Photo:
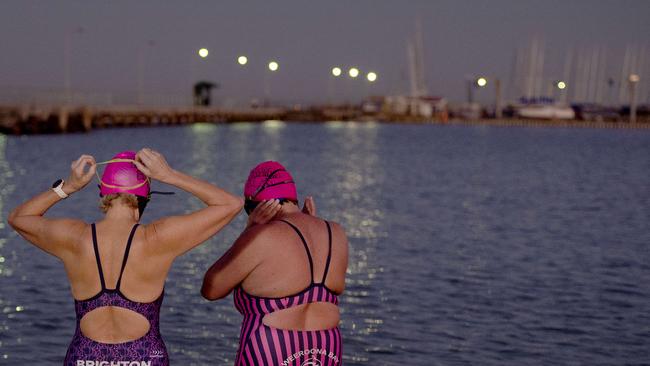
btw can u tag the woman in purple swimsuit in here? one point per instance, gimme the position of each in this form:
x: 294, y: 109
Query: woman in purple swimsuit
x: 287, y: 270
x: 116, y: 267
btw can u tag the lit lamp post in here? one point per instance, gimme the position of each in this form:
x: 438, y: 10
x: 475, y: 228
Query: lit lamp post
x: 203, y: 54
x: 336, y: 73
x: 472, y: 83
x: 353, y: 72
x: 633, y: 80
x: 141, y: 70
x: 273, y: 66
x: 242, y: 60
x: 561, y: 86
x: 67, y: 84
x: 371, y: 77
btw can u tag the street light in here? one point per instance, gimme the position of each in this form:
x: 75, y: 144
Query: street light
x: 353, y: 72
x: 561, y: 85
x: 633, y: 79
x: 141, y: 69
x: 481, y: 82
x: 242, y: 60
x: 67, y: 62
x: 336, y: 71
x: 203, y: 52
x: 371, y: 76
x: 273, y: 66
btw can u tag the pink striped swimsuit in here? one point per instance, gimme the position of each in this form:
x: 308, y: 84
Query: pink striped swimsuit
x: 260, y: 344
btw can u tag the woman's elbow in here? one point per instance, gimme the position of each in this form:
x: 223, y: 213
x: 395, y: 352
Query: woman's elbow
x: 12, y: 219
x: 209, y: 292
x: 237, y: 204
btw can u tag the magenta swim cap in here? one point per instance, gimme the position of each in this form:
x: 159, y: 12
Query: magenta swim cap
x: 122, y: 176
x: 270, y: 180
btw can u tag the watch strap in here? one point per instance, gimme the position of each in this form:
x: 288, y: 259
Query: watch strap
x: 59, y: 190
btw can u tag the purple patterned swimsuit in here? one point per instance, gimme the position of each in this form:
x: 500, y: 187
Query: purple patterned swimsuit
x: 149, y: 350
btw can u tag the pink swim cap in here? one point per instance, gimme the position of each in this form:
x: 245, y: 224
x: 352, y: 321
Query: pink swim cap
x: 124, y: 177
x: 270, y: 180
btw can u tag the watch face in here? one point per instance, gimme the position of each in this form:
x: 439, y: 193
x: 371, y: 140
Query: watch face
x: 56, y: 184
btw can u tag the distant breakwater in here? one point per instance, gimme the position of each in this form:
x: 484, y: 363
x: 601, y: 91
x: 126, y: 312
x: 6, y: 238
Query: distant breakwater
x: 51, y: 120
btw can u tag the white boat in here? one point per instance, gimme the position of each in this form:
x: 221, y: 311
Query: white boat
x: 541, y: 111
x: 543, y: 108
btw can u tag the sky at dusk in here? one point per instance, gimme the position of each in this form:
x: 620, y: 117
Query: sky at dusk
x: 159, y: 40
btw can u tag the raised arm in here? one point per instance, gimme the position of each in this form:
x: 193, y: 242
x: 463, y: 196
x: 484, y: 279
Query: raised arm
x: 235, y: 265
x: 176, y: 235
x: 55, y: 236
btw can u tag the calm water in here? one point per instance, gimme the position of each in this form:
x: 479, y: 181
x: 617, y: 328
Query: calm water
x: 469, y: 245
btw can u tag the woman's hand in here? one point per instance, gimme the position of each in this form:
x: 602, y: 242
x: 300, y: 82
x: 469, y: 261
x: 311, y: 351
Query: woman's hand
x: 264, y: 212
x: 153, y: 165
x: 309, y: 206
x: 79, y: 176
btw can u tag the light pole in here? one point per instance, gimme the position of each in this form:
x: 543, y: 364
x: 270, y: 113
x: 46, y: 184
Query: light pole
x: 331, y: 89
x: 498, y: 112
x: 371, y: 77
x: 67, y: 60
x: 141, y: 66
x: 633, y: 80
x: 203, y: 54
x: 561, y: 85
x: 273, y: 67
x: 473, y: 82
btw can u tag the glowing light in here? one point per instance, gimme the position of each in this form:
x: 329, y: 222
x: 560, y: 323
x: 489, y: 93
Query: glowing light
x: 353, y: 72
x: 336, y: 71
x: 634, y: 78
x: 203, y: 52
x: 561, y: 85
x: 481, y: 82
x: 273, y: 66
x: 371, y: 76
x: 242, y: 60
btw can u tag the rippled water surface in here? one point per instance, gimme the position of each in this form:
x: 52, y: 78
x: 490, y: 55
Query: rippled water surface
x: 469, y: 245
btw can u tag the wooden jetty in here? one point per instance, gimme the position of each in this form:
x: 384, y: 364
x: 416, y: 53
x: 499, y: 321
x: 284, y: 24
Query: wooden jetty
x: 61, y: 119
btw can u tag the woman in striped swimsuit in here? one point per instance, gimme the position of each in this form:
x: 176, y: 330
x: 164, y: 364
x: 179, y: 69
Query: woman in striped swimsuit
x: 287, y: 270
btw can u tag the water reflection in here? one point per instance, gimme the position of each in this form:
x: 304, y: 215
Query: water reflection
x: 355, y: 180
x: 7, y: 301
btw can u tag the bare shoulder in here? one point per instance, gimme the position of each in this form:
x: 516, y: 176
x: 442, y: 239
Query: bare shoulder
x: 70, y: 232
x: 264, y: 235
x: 73, y: 228
x: 338, y: 232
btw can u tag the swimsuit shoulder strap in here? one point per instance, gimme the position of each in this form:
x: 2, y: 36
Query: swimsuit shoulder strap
x: 329, y: 251
x: 126, y: 255
x: 99, y: 262
x: 304, y: 243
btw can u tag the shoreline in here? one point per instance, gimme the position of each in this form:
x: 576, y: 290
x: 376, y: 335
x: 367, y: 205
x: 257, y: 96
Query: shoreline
x: 21, y: 120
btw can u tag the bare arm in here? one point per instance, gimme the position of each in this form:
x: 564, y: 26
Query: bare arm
x: 55, y: 236
x: 234, y: 266
x: 176, y: 235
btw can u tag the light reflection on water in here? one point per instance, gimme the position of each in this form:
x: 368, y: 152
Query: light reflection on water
x: 468, y: 245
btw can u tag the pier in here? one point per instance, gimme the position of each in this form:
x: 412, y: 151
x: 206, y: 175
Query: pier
x: 26, y: 120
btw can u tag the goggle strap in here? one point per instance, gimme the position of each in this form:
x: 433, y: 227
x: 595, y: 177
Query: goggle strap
x: 102, y: 183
